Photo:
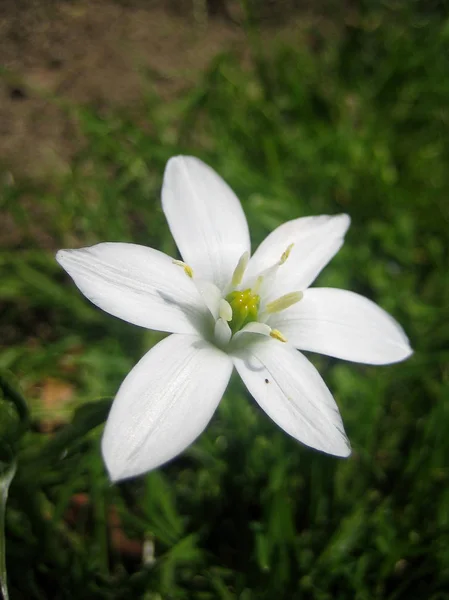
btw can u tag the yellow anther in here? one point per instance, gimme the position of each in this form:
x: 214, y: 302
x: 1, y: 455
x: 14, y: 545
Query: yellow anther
x: 277, y: 335
x: 240, y: 269
x: 283, y: 302
x: 188, y: 270
x: 286, y: 254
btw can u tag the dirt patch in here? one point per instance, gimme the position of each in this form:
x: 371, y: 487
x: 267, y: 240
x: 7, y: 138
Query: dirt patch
x: 96, y: 51
x: 90, y: 52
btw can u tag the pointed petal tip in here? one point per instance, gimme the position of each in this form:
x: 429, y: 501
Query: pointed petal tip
x: 65, y: 256
x: 405, y: 351
x: 179, y: 159
x: 113, y: 472
x: 346, y: 452
x: 118, y: 475
x: 339, y: 449
x: 60, y: 254
x: 114, y: 476
x: 347, y: 218
x: 179, y: 165
x: 117, y: 470
x: 345, y: 221
x: 402, y: 348
x: 173, y: 160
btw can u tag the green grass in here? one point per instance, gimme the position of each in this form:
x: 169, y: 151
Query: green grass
x: 246, y: 512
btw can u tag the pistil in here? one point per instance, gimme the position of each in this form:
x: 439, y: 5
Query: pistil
x: 245, y: 308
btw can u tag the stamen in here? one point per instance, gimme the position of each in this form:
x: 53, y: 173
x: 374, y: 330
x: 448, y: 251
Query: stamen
x: 286, y: 254
x: 240, y: 269
x: 277, y: 335
x: 266, y: 279
x: 188, y: 270
x: 225, y: 310
x: 256, y: 287
x: 283, y: 302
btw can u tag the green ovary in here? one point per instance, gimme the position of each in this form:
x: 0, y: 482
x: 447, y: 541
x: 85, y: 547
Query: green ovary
x: 245, y: 308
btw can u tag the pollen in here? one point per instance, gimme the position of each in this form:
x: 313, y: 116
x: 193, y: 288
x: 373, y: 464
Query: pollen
x: 187, y: 269
x: 277, y: 335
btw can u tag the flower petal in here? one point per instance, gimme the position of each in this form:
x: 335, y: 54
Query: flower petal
x: 344, y: 325
x: 210, y: 294
x: 290, y: 390
x: 253, y: 328
x: 205, y: 218
x: 315, y: 241
x: 222, y: 332
x: 138, y: 284
x: 164, y: 403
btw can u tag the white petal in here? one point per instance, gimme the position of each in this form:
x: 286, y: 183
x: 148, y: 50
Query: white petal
x: 344, y: 325
x: 222, y: 332
x: 205, y: 218
x: 164, y: 403
x: 138, y: 284
x: 225, y: 310
x: 210, y: 294
x: 252, y: 328
x: 315, y: 241
x: 290, y: 390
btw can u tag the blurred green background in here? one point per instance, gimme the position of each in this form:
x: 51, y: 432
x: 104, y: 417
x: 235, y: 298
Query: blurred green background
x: 341, y: 107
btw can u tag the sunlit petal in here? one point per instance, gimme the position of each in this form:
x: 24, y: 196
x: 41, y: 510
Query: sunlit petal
x: 290, y: 390
x: 137, y: 284
x: 313, y: 241
x: 205, y: 218
x: 164, y: 403
x: 344, y: 325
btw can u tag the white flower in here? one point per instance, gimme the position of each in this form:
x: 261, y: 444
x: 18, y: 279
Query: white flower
x: 224, y: 310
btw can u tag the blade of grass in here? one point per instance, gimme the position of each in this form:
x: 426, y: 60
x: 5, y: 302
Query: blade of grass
x: 5, y: 481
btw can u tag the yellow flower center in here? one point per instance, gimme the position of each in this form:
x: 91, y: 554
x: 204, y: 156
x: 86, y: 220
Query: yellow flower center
x: 245, y: 308
x: 240, y: 307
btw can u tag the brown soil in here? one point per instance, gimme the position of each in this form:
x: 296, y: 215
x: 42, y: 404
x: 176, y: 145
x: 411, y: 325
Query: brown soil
x: 93, y: 51
x: 88, y: 52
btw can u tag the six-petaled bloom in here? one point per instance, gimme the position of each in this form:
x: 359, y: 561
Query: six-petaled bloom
x: 226, y: 309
